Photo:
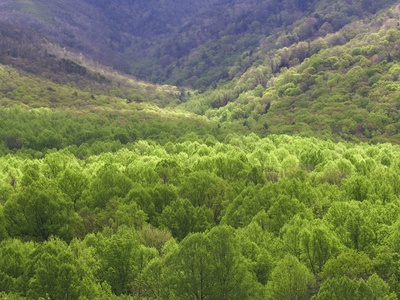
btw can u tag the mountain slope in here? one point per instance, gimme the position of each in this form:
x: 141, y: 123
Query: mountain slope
x: 313, y: 81
x: 345, y: 84
x: 192, y: 44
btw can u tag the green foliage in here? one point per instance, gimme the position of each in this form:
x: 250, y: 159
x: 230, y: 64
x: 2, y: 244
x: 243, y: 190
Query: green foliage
x: 14, y: 259
x: 38, y: 212
x: 345, y: 288
x: 345, y: 90
x: 111, y: 189
x: 306, y: 209
x: 212, y: 268
x: 290, y: 280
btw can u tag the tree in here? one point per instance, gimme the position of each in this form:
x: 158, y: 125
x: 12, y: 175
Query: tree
x: 168, y: 170
x: 292, y: 235
x: 162, y: 195
x: 357, y: 289
x: 353, y: 224
x: 181, y: 218
x: 154, y: 280
x: 350, y: 263
x: 206, y: 189
x: 247, y: 204
x: 358, y: 188
x: 190, y: 269
x: 282, y: 210
x: 109, y: 182
x: 121, y: 258
x: 57, y: 162
x: 57, y: 272
x: 318, y: 245
x: 72, y: 183
x: 38, y: 212
x: 230, y: 166
x: 154, y: 237
x: 380, y: 289
x: 343, y: 288
x: 14, y: 257
x: 232, y: 279
x: 211, y: 266
x: 3, y: 225
x: 143, y: 199
x: 290, y: 280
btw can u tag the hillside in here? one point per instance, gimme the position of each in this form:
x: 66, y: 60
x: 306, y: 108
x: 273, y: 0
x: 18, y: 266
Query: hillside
x: 342, y: 85
x: 182, y: 43
x: 222, y: 149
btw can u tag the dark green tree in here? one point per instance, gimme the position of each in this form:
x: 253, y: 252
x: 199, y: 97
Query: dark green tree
x: 290, y: 280
x: 40, y: 211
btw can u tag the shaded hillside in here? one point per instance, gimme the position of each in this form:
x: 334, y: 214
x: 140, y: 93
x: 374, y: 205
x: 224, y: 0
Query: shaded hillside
x: 41, y: 60
x: 184, y: 43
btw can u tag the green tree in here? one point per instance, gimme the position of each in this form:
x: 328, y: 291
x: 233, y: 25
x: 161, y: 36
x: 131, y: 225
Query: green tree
x: 143, y: 199
x: 282, y: 210
x: 350, y: 263
x: 343, y: 288
x: 232, y: 279
x: 210, y: 266
x: 353, y: 224
x: 207, y: 189
x: 349, y: 289
x: 181, y: 218
x: 109, y: 182
x: 57, y: 272
x: 162, y: 195
x: 37, y: 212
x: 290, y: 280
x: 168, y: 170
x: 153, y: 280
x: 72, y: 183
x: 231, y: 166
x: 190, y: 269
x: 120, y: 258
x: 3, y: 225
x: 380, y: 289
x: 14, y: 257
x: 247, y: 204
x: 291, y: 235
x: 318, y: 244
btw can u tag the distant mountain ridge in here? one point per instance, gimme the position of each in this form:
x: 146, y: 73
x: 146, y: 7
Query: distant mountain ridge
x: 181, y: 43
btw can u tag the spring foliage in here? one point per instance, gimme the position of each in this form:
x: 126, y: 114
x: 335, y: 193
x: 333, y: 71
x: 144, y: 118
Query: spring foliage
x: 281, y: 181
x: 245, y: 218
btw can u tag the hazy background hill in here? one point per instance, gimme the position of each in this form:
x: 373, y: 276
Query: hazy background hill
x: 192, y: 43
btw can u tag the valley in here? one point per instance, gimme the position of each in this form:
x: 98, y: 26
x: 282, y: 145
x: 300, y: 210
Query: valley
x: 225, y: 149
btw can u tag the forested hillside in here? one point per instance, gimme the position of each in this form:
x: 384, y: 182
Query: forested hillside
x: 185, y: 43
x: 343, y: 85
x: 262, y: 162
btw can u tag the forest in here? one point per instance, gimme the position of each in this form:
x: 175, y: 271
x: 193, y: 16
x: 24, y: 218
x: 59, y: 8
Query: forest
x: 260, y: 163
x: 281, y: 217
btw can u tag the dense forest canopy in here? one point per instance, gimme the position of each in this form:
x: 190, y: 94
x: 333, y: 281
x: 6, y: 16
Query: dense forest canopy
x: 221, y: 149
